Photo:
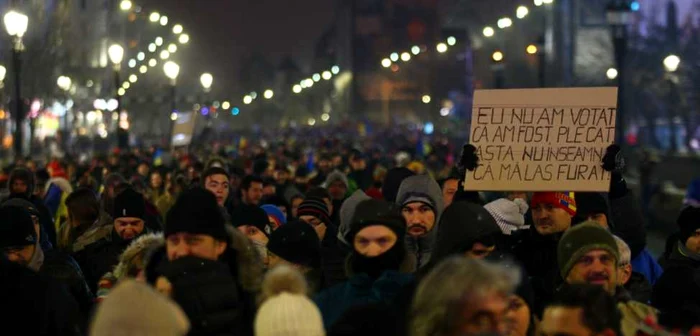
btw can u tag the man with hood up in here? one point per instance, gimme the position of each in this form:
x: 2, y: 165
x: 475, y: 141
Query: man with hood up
x: 420, y: 199
x: 375, y: 265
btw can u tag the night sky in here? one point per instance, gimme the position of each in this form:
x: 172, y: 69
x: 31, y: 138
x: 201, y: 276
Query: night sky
x: 222, y: 31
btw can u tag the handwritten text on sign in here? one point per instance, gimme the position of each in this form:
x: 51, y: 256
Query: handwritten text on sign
x: 542, y: 139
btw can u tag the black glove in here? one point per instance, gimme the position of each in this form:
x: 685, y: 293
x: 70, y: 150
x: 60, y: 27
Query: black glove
x: 613, y: 161
x: 468, y: 160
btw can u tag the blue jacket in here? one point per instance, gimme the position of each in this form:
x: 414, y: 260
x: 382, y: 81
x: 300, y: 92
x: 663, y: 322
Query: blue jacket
x: 645, y: 264
x: 359, y: 290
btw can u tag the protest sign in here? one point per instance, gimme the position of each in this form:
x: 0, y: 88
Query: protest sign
x: 542, y: 139
x: 183, y: 129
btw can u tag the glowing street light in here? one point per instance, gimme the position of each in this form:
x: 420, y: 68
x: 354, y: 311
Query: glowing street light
x: 133, y: 78
x: 183, y: 39
x: 152, y: 47
x: 268, y: 94
x: 159, y: 41
x: 171, y: 70
x: 132, y: 63
x: 164, y: 54
x: 116, y: 53
x: 311, y: 121
x: 521, y: 12
x: 386, y: 62
x: 497, y: 56
x: 173, y: 116
x: 247, y: 99
x: 225, y: 105
x: 172, y: 48
x: 325, y: 116
x: 163, y: 20
x: 611, y: 73
x: 415, y: 50
x: 206, y: 79
x: 143, y: 69
x: 405, y: 56
x: 140, y: 56
x: 441, y: 47
x: 316, y: 77
x: 671, y: 63
x: 152, y: 62
x: 177, y: 29
x: 426, y: 99
x: 326, y: 75
x: 451, y: 40
x: 309, y: 82
x: 125, y: 5
x: 538, y: 2
x: 504, y: 22
x: 63, y: 82
x: 394, y: 57
x: 335, y: 69
x: 154, y: 17
x: 531, y: 49
x: 3, y: 72
x: 547, y: 2
x: 488, y: 31
x: 296, y: 88
x: 121, y: 92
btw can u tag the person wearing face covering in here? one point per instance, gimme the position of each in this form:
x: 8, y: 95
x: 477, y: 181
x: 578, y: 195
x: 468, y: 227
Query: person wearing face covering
x: 375, y: 265
x: 19, y: 242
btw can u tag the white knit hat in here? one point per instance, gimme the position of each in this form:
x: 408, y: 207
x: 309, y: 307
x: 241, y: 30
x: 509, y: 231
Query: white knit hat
x: 287, y: 311
x: 134, y: 308
x: 509, y: 215
x: 289, y: 315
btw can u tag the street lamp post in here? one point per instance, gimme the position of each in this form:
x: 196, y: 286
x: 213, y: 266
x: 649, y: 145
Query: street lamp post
x: 116, y: 55
x: 64, y: 83
x: 16, y: 25
x: 671, y: 63
x: 172, y: 70
x: 619, y: 14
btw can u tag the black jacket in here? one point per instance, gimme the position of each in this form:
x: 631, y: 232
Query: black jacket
x: 210, y: 295
x: 65, y: 269
x: 538, y: 256
x: 332, y: 259
x: 100, y: 257
x: 33, y: 304
x: 639, y: 288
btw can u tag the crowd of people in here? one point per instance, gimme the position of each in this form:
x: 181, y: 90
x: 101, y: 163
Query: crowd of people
x: 327, y: 238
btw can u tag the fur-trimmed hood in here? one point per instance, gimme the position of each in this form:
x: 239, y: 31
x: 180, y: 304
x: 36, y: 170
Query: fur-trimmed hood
x: 247, y: 263
x: 134, y: 253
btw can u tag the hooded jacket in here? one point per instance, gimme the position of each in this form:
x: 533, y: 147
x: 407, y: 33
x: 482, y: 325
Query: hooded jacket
x: 422, y: 187
x: 460, y: 226
x: 218, y: 296
x: 347, y: 210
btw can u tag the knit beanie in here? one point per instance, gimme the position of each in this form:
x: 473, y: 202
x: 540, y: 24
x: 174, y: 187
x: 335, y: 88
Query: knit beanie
x: 591, y: 203
x: 196, y: 212
x: 298, y: 243
x: 16, y: 227
x: 376, y: 212
x: 274, y: 211
x: 129, y: 203
x: 134, y: 308
x: 246, y: 214
x: 336, y: 175
x: 581, y: 239
x: 287, y: 311
x: 315, y: 207
x: 688, y: 222
x: 509, y: 215
x: 392, y: 182
x: 563, y: 200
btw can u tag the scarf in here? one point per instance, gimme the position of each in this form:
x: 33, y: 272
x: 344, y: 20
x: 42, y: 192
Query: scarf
x: 37, y: 258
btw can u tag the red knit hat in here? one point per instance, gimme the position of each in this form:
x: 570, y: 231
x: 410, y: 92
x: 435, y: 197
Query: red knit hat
x: 563, y: 200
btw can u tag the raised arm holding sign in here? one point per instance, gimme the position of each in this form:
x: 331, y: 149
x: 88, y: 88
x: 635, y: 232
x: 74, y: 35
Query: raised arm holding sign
x: 542, y: 139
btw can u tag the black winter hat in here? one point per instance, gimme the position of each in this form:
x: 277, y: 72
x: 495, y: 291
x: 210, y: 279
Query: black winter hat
x: 461, y: 225
x: 129, y: 203
x: 245, y: 214
x: 196, y: 212
x: 392, y: 182
x: 213, y: 171
x: 24, y: 204
x: 298, y: 243
x: 591, y: 203
x: 376, y: 212
x: 688, y: 222
x: 16, y: 227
